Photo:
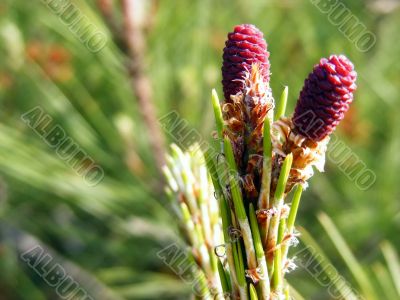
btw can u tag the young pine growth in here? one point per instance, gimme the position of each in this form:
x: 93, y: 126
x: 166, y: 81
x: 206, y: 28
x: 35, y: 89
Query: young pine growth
x: 245, y: 46
x: 261, y: 162
x: 248, y: 101
x: 325, y: 97
x: 322, y: 104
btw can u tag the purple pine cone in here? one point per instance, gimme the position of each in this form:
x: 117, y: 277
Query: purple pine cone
x: 325, y: 97
x: 245, y: 46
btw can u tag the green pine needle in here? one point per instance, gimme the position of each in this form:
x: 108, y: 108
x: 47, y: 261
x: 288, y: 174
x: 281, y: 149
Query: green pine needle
x: 253, y: 292
x: 280, y: 112
x: 217, y: 113
x: 283, y: 177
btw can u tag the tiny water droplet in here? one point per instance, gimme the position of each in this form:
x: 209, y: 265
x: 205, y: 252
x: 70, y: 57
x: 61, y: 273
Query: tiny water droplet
x: 220, y: 250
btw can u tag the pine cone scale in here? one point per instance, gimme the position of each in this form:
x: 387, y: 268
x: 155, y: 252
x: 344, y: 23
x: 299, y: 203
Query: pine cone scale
x: 245, y: 46
x: 327, y: 93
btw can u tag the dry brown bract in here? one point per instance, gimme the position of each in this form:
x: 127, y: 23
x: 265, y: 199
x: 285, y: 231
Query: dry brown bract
x: 306, y: 153
x: 244, y: 116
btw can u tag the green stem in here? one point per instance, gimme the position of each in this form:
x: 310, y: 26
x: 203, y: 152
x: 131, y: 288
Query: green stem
x: 253, y: 293
x: 264, y: 283
x: 239, y: 207
x: 226, y: 218
x: 294, y: 207
x: 277, y: 203
x: 239, y: 267
x: 277, y: 276
x: 291, y: 219
x: 263, y: 200
x: 223, y: 277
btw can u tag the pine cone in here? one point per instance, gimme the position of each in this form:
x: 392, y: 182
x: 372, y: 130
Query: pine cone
x: 325, y: 97
x: 245, y: 46
x: 248, y: 101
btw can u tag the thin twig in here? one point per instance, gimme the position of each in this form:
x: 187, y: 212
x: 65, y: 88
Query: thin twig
x: 136, y: 45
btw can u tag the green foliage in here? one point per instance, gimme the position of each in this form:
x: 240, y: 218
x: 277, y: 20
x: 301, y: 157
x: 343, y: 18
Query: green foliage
x: 111, y: 233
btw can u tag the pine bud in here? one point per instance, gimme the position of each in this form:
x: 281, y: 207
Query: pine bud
x: 245, y: 46
x: 325, y: 97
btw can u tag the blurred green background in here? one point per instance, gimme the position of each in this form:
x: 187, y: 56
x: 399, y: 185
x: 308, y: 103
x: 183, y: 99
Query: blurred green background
x: 106, y: 237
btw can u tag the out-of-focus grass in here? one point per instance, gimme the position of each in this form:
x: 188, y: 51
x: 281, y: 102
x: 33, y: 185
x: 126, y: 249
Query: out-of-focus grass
x: 114, y: 230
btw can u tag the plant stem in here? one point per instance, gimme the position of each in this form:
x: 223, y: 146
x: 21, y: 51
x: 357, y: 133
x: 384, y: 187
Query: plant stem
x: 225, y: 217
x: 277, y: 203
x: 240, y: 271
x: 239, y: 207
x: 253, y: 293
x: 223, y: 277
x: 294, y: 207
x: 291, y: 219
x: 141, y: 86
x: 277, y: 276
x: 262, y: 264
x: 263, y: 200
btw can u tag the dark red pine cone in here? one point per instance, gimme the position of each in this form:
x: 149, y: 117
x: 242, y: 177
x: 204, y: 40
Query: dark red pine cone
x: 245, y: 46
x: 325, y: 97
